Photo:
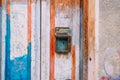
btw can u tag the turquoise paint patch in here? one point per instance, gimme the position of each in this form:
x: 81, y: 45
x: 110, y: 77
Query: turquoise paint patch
x: 29, y: 61
x: 7, y: 48
x: 20, y: 67
x: 61, y: 43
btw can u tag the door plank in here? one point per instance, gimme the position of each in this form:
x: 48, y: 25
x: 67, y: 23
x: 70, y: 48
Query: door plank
x: 45, y: 40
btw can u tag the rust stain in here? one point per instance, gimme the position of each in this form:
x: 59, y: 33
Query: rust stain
x: 32, y: 1
x: 29, y: 21
x: 64, y: 2
x: 91, y: 23
x: 67, y: 3
x: 73, y: 62
x: 88, y: 38
x: 2, y: 2
x: 85, y: 39
x: 52, y: 39
x: 91, y: 36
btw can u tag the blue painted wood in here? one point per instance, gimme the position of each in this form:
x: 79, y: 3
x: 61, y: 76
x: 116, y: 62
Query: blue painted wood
x: 18, y: 68
x: 7, y: 48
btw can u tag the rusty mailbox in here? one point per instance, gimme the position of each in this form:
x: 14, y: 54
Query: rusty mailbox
x: 63, y: 40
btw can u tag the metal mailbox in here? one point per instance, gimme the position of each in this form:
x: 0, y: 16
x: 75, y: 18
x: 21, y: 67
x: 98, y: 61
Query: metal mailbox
x: 63, y: 40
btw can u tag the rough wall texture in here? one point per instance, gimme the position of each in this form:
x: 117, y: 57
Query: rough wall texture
x: 109, y: 40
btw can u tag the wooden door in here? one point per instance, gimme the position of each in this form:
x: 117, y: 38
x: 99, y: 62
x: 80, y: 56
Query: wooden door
x: 56, y: 62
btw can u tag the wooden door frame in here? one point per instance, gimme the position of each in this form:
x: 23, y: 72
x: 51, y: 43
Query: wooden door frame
x: 88, y: 42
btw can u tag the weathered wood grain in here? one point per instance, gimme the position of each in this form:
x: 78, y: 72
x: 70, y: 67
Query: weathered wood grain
x: 67, y: 14
x: 91, y: 40
x: 85, y: 39
x: 45, y: 40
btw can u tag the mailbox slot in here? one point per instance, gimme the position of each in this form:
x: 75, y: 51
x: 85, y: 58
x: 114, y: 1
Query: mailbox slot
x: 63, y: 40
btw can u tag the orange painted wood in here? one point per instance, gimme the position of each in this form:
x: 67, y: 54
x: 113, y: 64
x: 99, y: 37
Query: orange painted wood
x: 73, y: 62
x: 29, y: 21
x: 52, y: 39
x: 8, y: 7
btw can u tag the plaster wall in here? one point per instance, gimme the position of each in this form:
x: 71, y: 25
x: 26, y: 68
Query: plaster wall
x: 108, y: 51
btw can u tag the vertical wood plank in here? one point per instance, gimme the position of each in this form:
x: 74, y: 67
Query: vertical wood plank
x: 81, y: 42
x: 85, y: 39
x: 3, y: 53
x: 52, y: 39
x: 67, y: 15
x: 36, y: 39
x: 29, y: 21
x: 76, y: 34
x: 29, y: 40
x: 45, y: 39
x: 7, y: 43
x: 0, y: 3
x: 0, y: 35
x: 73, y: 63
x: 91, y: 40
x: 64, y: 18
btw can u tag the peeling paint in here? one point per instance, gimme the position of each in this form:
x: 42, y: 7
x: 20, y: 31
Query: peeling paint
x: 18, y: 52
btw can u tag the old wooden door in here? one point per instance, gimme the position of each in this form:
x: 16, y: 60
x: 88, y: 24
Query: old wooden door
x: 60, y: 39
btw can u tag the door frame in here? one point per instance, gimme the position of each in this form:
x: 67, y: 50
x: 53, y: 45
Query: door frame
x: 88, y: 40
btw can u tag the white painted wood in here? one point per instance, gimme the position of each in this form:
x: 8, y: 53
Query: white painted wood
x: 33, y: 54
x: 68, y: 17
x: 45, y: 40
x: 18, y: 18
x: 3, y: 42
x: 97, y: 39
x: 37, y: 41
x: 76, y: 36
x: 35, y: 64
x: 63, y: 63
